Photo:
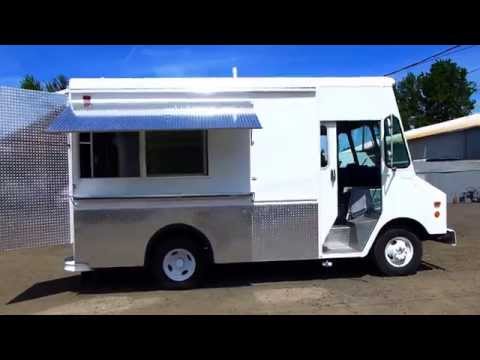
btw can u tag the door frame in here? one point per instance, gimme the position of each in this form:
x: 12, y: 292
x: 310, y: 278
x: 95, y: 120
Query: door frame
x: 327, y: 184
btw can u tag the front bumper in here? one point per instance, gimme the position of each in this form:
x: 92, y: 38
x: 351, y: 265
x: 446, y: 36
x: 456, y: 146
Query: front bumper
x: 449, y: 238
x: 72, y: 266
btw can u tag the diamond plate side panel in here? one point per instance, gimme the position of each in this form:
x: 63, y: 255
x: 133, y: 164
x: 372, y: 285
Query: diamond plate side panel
x: 285, y: 232
x: 118, y: 235
x: 34, y: 208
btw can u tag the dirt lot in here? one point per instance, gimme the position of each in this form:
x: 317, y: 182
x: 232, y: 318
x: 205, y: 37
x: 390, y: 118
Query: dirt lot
x: 33, y: 282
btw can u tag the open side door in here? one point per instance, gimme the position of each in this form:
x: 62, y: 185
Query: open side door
x: 328, y: 186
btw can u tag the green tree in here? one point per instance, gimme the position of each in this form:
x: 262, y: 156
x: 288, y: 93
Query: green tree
x: 442, y: 94
x: 447, y: 92
x: 30, y: 83
x: 410, y: 104
x: 58, y: 83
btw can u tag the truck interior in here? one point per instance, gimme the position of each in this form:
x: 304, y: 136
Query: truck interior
x: 359, y: 185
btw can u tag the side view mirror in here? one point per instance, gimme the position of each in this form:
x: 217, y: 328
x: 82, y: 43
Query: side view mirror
x: 389, y: 124
x: 390, y: 157
x: 389, y: 121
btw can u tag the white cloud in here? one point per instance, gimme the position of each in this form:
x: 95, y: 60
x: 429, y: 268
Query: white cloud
x: 169, y: 52
x: 130, y: 54
x: 189, y: 61
x: 171, y: 70
x: 183, y: 67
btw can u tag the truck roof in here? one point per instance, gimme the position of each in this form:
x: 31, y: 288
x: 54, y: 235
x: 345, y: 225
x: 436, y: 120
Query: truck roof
x: 225, y: 83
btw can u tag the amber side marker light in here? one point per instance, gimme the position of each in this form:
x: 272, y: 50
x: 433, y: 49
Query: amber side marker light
x: 437, y: 204
x: 437, y: 214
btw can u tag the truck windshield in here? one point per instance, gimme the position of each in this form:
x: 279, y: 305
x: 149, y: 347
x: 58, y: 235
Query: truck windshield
x: 358, y: 144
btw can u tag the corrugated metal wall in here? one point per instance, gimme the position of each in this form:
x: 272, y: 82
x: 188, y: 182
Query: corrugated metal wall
x: 459, y: 169
x: 443, y: 146
x: 33, y: 171
x: 461, y: 145
x: 452, y: 177
x: 454, y: 184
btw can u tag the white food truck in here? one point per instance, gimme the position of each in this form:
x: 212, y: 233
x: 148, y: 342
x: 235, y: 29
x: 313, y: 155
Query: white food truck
x: 176, y: 174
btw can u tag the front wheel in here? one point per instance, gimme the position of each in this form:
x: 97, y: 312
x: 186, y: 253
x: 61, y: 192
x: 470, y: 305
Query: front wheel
x: 397, y: 252
x: 178, y: 264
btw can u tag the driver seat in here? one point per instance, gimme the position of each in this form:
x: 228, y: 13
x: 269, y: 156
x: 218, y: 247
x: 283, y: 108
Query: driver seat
x: 360, y: 202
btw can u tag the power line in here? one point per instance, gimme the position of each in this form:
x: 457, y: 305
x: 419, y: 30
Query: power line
x: 473, y: 70
x: 451, y: 53
x: 432, y: 57
x: 459, y: 50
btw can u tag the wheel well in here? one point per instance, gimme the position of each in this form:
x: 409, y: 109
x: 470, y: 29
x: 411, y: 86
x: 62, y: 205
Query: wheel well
x: 406, y: 223
x: 175, y: 230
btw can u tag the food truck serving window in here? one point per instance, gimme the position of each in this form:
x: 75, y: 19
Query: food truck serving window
x: 176, y: 153
x: 166, y: 153
x: 105, y: 155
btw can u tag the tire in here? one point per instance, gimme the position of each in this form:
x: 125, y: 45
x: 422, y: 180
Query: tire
x: 178, y: 263
x: 397, y: 252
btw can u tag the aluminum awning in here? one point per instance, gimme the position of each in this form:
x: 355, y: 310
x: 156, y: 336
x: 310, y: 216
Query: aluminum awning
x: 169, y: 116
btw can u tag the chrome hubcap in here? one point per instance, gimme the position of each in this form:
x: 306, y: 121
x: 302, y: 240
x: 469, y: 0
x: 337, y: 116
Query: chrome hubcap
x: 399, y: 251
x: 179, y: 264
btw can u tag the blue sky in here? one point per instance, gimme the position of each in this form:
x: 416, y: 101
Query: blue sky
x: 45, y: 62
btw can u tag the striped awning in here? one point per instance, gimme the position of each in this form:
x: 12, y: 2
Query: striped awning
x: 171, y: 116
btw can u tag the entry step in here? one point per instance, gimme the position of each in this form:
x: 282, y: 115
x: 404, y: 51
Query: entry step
x: 338, y: 248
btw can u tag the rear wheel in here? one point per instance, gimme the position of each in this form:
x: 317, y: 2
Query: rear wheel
x: 397, y: 252
x: 178, y: 263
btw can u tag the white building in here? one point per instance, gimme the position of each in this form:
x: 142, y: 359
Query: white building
x: 447, y: 155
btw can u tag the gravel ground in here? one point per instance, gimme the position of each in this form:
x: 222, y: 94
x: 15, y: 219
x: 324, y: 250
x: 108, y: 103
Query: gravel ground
x: 33, y: 282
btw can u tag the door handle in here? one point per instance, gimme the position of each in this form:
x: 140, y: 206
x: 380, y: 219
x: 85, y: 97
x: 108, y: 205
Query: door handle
x: 333, y: 175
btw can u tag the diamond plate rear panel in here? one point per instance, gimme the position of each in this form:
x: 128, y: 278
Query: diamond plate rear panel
x: 285, y: 232
x: 33, y: 171
x: 115, y: 232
